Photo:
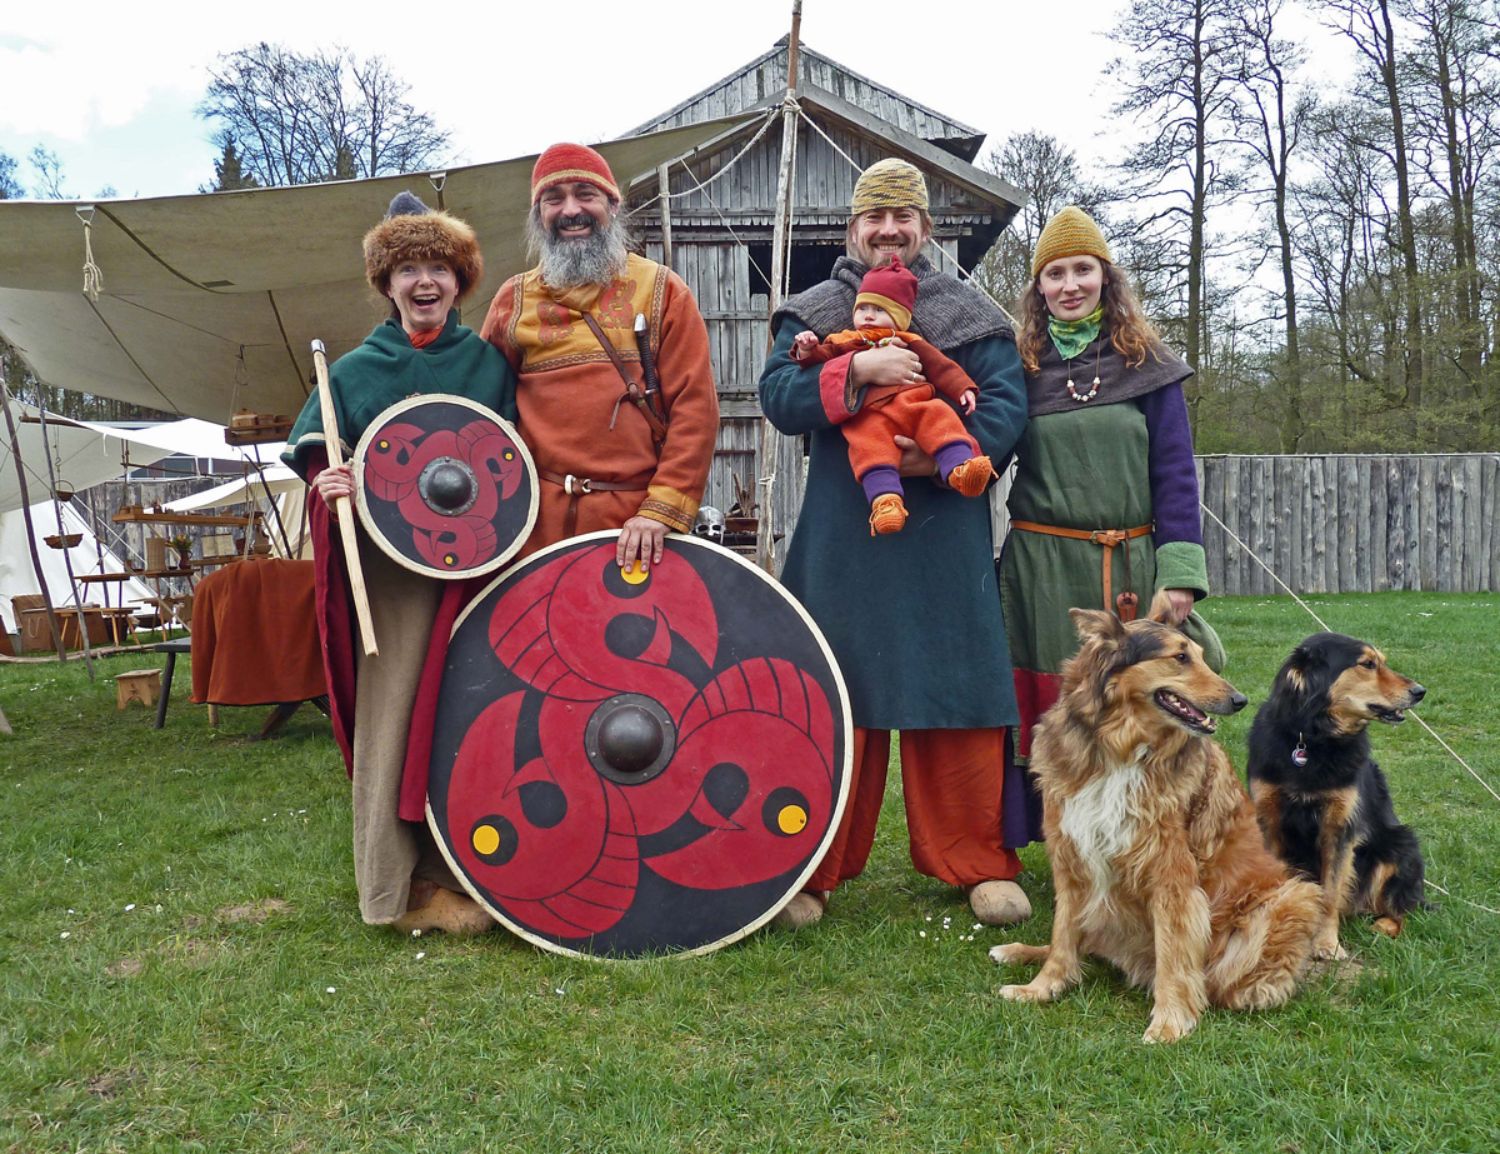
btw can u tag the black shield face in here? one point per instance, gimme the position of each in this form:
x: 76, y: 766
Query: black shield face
x: 629, y: 762
x: 445, y: 486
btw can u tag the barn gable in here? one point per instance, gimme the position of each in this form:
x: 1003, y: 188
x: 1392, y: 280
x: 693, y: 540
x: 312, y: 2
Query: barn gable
x: 764, y: 79
x: 719, y: 219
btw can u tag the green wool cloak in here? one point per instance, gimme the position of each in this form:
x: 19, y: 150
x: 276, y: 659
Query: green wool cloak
x: 385, y: 368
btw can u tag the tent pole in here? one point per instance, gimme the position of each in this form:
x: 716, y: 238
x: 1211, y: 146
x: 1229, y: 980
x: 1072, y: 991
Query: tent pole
x: 83, y: 622
x: 260, y: 472
x: 770, y: 438
x: 36, y: 560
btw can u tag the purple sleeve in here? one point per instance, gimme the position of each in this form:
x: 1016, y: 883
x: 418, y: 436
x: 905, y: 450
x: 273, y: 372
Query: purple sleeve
x: 1174, y: 482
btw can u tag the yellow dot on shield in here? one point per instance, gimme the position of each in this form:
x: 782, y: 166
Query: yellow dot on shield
x: 791, y: 819
x: 635, y: 573
x: 449, y: 559
x: 486, y: 839
x: 383, y: 445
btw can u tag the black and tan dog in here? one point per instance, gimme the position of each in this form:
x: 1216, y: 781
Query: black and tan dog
x: 1323, y: 804
x: 1156, y: 857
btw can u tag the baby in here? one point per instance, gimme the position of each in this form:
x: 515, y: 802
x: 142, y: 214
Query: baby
x: 882, y: 313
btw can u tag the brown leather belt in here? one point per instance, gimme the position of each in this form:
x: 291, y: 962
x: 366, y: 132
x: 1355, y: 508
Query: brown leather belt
x: 577, y: 487
x: 1126, y: 603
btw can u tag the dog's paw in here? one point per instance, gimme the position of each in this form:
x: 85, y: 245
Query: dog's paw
x: 1390, y: 927
x: 1168, y: 1026
x: 1016, y: 954
x: 1033, y: 991
x: 1329, y: 950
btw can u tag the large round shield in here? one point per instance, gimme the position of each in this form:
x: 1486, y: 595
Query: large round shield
x: 632, y: 763
x: 445, y: 486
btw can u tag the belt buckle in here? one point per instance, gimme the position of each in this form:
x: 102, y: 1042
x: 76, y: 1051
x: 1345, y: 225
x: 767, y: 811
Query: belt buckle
x: 583, y: 483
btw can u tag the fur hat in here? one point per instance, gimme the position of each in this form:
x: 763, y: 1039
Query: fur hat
x: 892, y: 287
x: 412, y: 231
x: 889, y: 183
x: 1072, y: 232
x: 565, y: 162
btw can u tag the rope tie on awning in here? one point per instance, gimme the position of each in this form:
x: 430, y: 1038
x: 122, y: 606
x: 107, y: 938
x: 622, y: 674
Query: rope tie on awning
x: 93, y: 276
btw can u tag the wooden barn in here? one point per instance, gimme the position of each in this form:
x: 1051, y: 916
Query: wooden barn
x: 719, y: 219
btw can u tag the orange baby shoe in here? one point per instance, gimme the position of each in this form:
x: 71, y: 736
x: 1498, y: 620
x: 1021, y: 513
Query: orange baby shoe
x: 887, y: 514
x: 972, y: 477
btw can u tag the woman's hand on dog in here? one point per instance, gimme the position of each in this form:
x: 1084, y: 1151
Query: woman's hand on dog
x: 1179, y: 603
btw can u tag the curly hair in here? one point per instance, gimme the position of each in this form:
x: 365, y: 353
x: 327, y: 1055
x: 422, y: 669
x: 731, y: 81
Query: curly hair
x: 1132, y: 335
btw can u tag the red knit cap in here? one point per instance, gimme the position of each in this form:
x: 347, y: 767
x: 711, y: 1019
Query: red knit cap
x: 567, y: 162
x: 892, y: 287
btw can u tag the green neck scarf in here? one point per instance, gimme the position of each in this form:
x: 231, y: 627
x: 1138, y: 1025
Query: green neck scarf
x: 1072, y: 337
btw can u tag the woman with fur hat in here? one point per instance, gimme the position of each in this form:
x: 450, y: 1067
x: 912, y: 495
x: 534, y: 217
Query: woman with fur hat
x: 1104, y: 504
x: 424, y: 262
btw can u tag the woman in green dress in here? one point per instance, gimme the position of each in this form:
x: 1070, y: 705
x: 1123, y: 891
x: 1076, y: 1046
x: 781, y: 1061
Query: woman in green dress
x: 1104, y: 504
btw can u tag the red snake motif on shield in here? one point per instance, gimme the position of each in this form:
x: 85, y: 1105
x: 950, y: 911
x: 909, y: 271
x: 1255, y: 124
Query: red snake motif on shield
x: 653, y: 769
x: 445, y: 486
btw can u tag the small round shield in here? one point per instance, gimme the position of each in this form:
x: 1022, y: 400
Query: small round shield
x: 631, y: 763
x: 445, y: 486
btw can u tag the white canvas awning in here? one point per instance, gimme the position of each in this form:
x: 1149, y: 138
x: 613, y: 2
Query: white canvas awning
x: 83, y: 454
x: 210, y: 302
x: 273, y: 481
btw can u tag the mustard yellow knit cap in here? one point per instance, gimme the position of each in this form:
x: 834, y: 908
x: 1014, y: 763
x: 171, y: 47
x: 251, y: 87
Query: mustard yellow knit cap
x: 1072, y: 232
x: 889, y: 183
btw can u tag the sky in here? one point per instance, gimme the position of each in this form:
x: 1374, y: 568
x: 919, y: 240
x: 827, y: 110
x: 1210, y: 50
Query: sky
x: 112, y: 92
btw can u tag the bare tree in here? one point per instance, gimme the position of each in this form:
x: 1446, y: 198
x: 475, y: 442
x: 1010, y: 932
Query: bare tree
x: 49, y: 175
x: 296, y: 119
x: 1451, y: 75
x: 1047, y: 172
x: 10, y: 187
x: 1176, y: 81
x: 1269, y: 121
x: 1370, y: 27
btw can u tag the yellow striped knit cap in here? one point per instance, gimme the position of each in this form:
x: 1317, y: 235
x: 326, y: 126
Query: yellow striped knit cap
x: 889, y: 183
x: 1072, y: 232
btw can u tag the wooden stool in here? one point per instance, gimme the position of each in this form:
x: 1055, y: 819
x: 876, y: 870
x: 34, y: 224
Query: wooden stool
x: 143, y: 685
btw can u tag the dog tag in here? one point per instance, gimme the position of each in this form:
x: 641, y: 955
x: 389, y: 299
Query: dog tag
x: 1299, y: 755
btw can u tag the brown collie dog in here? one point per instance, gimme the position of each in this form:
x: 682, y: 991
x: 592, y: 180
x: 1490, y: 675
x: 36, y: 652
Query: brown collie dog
x: 1157, y: 858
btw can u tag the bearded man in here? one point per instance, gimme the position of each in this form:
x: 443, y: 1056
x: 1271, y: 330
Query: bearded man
x: 604, y: 461
x: 914, y: 617
x: 608, y: 457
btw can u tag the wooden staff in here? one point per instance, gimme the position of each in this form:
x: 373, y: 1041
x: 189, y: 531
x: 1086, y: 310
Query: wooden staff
x: 341, y: 510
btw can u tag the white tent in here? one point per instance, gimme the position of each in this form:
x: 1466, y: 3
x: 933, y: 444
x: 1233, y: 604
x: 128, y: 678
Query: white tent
x: 272, y: 482
x: 83, y: 454
x: 18, y: 577
x: 209, y: 302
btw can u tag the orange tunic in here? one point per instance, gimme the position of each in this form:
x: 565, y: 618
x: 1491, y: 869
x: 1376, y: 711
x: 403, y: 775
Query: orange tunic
x: 570, y: 398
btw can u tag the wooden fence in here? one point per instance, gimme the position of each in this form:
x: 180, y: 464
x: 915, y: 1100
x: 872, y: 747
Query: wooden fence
x: 1352, y: 524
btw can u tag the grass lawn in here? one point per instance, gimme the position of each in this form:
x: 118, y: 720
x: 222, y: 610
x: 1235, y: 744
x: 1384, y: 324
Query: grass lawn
x: 184, y: 968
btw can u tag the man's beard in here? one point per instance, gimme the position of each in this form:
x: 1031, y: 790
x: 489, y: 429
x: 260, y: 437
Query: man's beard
x: 596, y: 259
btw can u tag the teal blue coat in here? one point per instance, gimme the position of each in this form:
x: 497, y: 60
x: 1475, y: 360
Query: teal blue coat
x: 913, y: 617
